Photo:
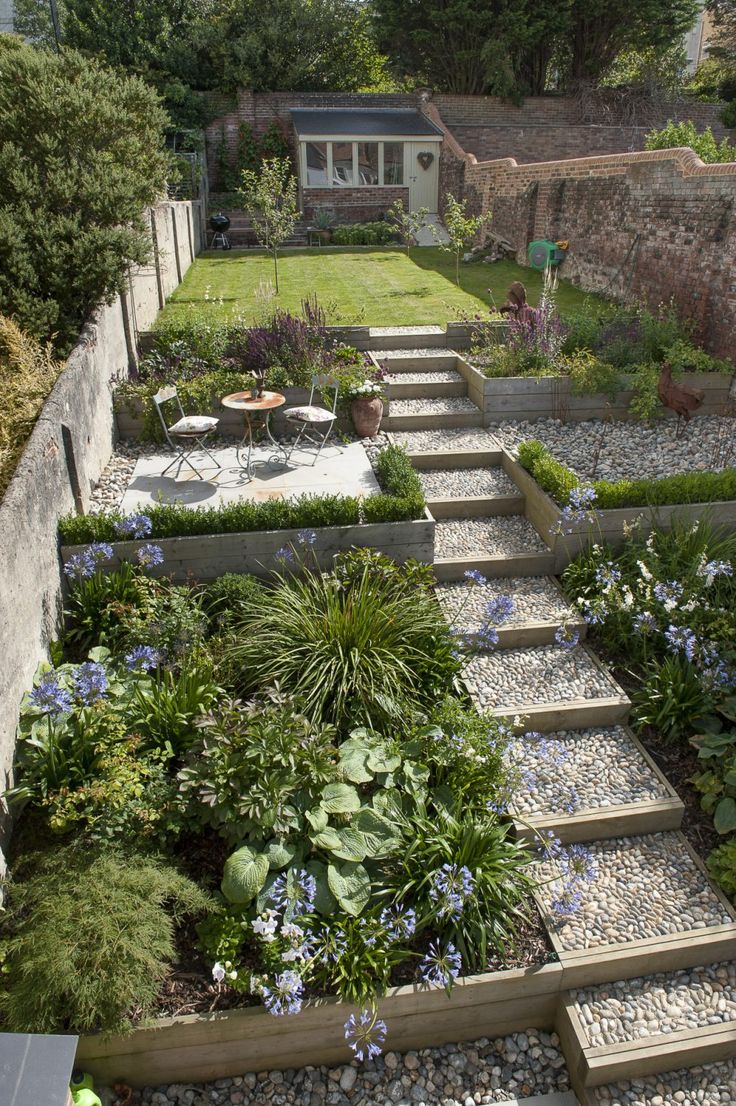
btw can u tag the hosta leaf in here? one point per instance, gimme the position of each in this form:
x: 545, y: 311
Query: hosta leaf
x: 244, y: 876
x: 317, y: 819
x: 381, y: 835
x: 324, y: 901
x: 354, y: 768
x: 351, y: 886
x: 381, y: 759
x: 279, y: 853
x: 327, y: 839
x: 724, y: 818
x: 352, y: 846
x: 339, y: 798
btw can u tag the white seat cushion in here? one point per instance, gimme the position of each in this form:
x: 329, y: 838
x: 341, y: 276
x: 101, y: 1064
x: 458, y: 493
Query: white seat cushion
x: 194, y: 424
x: 309, y: 414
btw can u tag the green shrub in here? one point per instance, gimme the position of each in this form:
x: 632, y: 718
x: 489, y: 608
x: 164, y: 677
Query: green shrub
x: 367, y: 653
x: 82, y: 156
x: 689, y: 487
x: 97, y: 604
x: 686, y: 134
x: 89, y: 936
x: 363, y: 234
x: 165, y: 709
x: 722, y: 866
x: 670, y: 698
x: 403, y: 498
x: 232, y: 597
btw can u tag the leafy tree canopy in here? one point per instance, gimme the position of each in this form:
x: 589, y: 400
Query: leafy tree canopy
x: 81, y: 156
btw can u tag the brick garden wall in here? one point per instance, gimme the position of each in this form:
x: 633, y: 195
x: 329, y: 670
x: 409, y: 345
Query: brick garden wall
x: 654, y: 225
x: 359, y: 205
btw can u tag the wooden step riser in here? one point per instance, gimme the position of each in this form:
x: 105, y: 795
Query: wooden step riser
x: 459, y: 459
x: 441, y: 389
x: 438, y: 363
x: 476, y: 506
x: 574, y: 714
x: 406, y: 341
x: 652, y: 816
x: 443, y: 421
x: 524, y: 637
x: 516, y: 564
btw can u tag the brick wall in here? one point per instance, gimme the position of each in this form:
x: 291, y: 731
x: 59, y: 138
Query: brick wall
x: 657, y: 226
x: 353, y: 205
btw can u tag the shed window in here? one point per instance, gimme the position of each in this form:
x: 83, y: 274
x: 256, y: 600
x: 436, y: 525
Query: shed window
x: 316, y: 158
x: 368, y: 163
x: 342, y: 164
x: 393, y: 163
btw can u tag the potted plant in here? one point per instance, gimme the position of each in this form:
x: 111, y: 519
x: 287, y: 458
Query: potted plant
x: 323, y: 222
x: 366, y: 407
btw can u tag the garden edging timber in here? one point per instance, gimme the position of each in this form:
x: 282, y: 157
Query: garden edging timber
x: 207, y: 556
x: 196, y: 1048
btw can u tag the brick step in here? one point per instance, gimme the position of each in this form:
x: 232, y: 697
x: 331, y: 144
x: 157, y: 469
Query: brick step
x: 650, y: 1024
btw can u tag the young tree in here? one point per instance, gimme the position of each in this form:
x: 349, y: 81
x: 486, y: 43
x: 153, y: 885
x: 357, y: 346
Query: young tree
x: 81, y: 157
x: 686, y: 134
x: 461, y: 228
x: 407, y: 223
x: 270, y: 198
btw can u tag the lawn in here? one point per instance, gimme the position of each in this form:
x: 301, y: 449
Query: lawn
x: 378, y: 286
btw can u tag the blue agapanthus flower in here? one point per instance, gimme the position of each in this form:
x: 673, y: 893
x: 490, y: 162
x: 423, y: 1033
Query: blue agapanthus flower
x: 450, y: 887
x: 295, y: 895
x: 474, y: 576
x: 567, y: 636
x: 134, y: 526
x: 307, y: 537
x: 90, y: 682
x: 49, y: 697
x: 283, y: 995
x: 440, y: 967
x: 499, y: 609
x: 366, y: 1034
x: 142, y: 658
x: 400, y: 922
x: 149, y: 556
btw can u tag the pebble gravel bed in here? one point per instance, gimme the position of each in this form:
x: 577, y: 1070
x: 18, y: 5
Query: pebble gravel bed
x: 645, y: 886
x: 520, y: 1065
x: 664, y: 1003
x: 436, y: 376
x: 705, y: 1085
x: 631, y: 450
x: 444, y: 405
x: 545, y: 674
x: 587, y: 769
x: 458, y: 437
x: 448, y: 483
x: 536, y: 599
x: 422, y: 351
x: 501, y: 534
x: 113, y: 483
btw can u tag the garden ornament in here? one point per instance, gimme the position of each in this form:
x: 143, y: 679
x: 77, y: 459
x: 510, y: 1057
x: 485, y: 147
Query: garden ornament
x: 678, y: 397
x: 82, y: 1089
x: 516, y: 304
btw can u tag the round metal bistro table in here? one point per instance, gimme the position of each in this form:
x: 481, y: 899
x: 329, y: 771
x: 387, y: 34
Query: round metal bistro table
x: 256, y: 408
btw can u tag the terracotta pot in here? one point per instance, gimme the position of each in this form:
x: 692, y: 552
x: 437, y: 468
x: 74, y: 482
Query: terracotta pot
x: 367, y: 414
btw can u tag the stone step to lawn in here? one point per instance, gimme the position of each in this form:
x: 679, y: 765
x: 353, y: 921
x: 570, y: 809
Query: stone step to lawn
x: 539, y: 608
x: 406, y: 337
x: 702, y: 1085
x: 443, y: 384
x: 426, y: 414
x: 590, y: 784
x: 548, y: 687
x: 402, y: 361
x: 647, y: 1025
x: 448, y: 438
x: 648, y: 905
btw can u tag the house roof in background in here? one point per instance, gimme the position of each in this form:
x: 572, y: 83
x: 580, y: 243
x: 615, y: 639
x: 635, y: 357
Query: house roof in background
x: 373, y: 122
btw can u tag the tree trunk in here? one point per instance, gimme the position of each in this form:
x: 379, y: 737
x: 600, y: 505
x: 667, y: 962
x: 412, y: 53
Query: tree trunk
x: 276, y: 268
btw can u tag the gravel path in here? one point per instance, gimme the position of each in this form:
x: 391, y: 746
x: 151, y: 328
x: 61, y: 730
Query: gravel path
x: 452, y: 438
x: 630, y: 450
x: 444, y: 405
x: 520, y: 1065
x: 707, y: 1085
x: 645, y: 886
x: 436, y: 376
x: 448, y: 483
x: 460, y: 537
x: 518, y: 678
x: 664, y: 1003
x: 585, y: 770
x: 536, y: 599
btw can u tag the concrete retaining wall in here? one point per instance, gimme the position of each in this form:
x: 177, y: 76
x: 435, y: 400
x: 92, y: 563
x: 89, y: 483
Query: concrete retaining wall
x: 68, y: 449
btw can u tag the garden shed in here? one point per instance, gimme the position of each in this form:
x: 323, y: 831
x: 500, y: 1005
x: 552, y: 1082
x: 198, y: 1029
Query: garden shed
x: 357, y: 162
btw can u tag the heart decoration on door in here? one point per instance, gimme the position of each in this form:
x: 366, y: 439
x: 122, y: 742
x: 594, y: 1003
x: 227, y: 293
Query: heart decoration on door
x: 425, y: 159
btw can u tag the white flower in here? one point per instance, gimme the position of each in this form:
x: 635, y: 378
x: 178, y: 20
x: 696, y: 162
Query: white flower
x: 646, y: 574
x: 627, y: 596
x: 266, y: 925
x: 218, y: 972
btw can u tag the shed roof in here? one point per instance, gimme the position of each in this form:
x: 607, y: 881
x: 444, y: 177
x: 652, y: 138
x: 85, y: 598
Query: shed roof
x: 363, y: 121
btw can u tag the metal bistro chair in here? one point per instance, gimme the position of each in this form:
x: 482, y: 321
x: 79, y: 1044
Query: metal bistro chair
x: 187, y: 435
x: 315, y: 423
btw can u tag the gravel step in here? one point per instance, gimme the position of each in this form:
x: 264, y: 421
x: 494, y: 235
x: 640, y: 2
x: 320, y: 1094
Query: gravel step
x: 432, y: 376
x: 444, y: 405
x: 643, y: 887
x: 582, y: 770
x: 515, y: 681
x: 406, y: 337
x: 704, y: 1085
x: 537, y: 599
x: 451, y: 438
x: 656, y: 1005
x: 443, y: 483
x: 466, y: 537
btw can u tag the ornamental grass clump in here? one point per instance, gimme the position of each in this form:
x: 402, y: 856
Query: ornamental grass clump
x: 363, y: 653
